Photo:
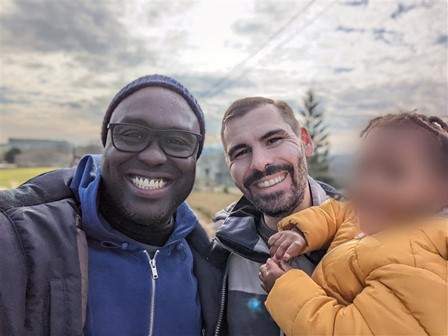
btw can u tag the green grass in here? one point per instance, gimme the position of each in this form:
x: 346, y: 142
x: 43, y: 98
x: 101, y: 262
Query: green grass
x: 11, y: 178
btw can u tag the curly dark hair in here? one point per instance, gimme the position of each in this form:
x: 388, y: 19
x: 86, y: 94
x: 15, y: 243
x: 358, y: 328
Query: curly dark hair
x: 433, y: 125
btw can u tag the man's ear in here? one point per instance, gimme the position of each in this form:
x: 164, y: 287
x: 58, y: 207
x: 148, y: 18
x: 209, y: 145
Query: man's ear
x: 307, y: 142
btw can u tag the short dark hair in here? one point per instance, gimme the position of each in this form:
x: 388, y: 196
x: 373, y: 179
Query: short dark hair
x: 241, y: 107
x: 432, y: 125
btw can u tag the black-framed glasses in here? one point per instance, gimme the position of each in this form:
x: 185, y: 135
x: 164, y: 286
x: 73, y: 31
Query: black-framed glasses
x: 133, y: 138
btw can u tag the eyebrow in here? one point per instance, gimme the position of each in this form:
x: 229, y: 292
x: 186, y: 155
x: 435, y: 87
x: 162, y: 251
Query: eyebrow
x: 263, y: 137
x: 279, y: 131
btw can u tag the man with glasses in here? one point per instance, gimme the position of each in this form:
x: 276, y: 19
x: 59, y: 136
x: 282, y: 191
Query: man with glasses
x: 112, y: 248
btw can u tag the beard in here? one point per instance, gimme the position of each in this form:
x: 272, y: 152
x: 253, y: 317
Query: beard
x: 281, y: 203
x: 120, y: 212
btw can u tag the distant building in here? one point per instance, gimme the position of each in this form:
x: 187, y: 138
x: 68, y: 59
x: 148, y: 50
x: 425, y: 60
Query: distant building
x: 42, y: 153
x: 30, y: 144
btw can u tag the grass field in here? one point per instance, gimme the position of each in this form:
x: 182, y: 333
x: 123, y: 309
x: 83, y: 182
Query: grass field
x: 11, y: 178
x: 204, y: 203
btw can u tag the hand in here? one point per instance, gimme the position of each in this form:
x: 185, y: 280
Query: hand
x: 270, y: 272
x: 286, y: 245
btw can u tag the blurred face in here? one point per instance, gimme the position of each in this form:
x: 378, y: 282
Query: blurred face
x: 268, y: 160
x: 148, y: 186
x: 396, y: 179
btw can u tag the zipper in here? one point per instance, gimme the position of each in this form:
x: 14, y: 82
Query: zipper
x: 223, y: 301
x: 154, y: 277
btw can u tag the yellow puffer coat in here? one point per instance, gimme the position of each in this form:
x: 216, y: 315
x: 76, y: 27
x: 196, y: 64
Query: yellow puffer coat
x: 390, y: 283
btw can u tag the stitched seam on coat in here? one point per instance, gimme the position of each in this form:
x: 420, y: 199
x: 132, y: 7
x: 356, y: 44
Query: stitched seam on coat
x: 360, y: 313
x: 65, y: 303
x: 357, y: 262
x: 394, y: 293
x: 432, y: 244
x: 406, y: 265
x: 411, y: 245
x: 17, y: 235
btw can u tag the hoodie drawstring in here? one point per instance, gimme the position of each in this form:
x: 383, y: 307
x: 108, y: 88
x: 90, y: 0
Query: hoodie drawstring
x: 114, y: 246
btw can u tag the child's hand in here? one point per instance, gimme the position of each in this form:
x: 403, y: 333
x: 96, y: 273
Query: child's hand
x: 270, y: 272
x: 286, y: 245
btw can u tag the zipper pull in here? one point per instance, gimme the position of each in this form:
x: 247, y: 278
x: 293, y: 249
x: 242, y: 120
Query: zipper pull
x: 152, y: 263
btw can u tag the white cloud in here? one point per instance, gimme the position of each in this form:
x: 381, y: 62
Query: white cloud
x: 62, y: 62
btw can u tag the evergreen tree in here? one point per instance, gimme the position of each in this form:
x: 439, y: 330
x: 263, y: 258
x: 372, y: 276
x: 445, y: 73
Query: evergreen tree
x: 10, y: 156
x: 312, y: 118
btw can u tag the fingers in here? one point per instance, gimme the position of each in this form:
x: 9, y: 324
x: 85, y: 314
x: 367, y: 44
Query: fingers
x: 287, y: 245
x: 262, y: 281
x: 262, y: 275
x: 271, y: 266
x: 281, y: 249
x: 294, y: 250
x: 274, y: 238
x: 280, y: 238
x: 285, y: 266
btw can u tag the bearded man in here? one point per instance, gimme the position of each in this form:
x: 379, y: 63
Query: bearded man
x: 266, y: 151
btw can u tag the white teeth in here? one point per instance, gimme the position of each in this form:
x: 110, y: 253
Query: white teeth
x: 271, y: 182
x: 144, y: 183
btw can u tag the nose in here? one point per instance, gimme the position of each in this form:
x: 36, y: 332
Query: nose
x: 153, y: 155
x: 260, y: 160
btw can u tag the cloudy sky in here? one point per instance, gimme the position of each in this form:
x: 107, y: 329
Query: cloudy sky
x: 62, y: 61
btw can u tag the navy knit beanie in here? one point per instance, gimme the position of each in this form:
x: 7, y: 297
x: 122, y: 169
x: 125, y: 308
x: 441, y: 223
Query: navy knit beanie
x: 160, y: 81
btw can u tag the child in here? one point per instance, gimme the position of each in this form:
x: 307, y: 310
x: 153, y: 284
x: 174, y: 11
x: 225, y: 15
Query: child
x: 385, y: 272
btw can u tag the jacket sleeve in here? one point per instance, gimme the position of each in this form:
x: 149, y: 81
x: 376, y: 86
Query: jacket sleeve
x: 13, y: 280
x: 387, y: 305
x: 320, y: 224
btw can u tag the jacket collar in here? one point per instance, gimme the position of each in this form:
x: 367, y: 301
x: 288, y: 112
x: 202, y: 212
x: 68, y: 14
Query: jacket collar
x: 239, y: 234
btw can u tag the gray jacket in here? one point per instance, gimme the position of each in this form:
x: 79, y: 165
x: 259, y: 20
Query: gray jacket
x: 242, y: 307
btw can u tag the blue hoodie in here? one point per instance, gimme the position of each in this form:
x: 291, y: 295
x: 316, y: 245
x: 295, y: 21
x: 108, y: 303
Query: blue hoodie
x: 131, y: 293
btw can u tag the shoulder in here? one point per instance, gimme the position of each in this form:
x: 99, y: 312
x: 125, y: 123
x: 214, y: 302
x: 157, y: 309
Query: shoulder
x: 420, y: 247
x: 44, y: 201
x: 46, y: 188
x: 330, y: 191
x: 205, y: 249
x: 224, y: 213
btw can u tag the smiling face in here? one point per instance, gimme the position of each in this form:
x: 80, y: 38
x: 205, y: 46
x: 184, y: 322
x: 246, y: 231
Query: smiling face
x: 147, y: 187
x: 398, y: 177
x: 268, y: 160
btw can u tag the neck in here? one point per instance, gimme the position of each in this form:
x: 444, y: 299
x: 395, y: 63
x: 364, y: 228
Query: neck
x: 306, y: 203
x: 155, y: 234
